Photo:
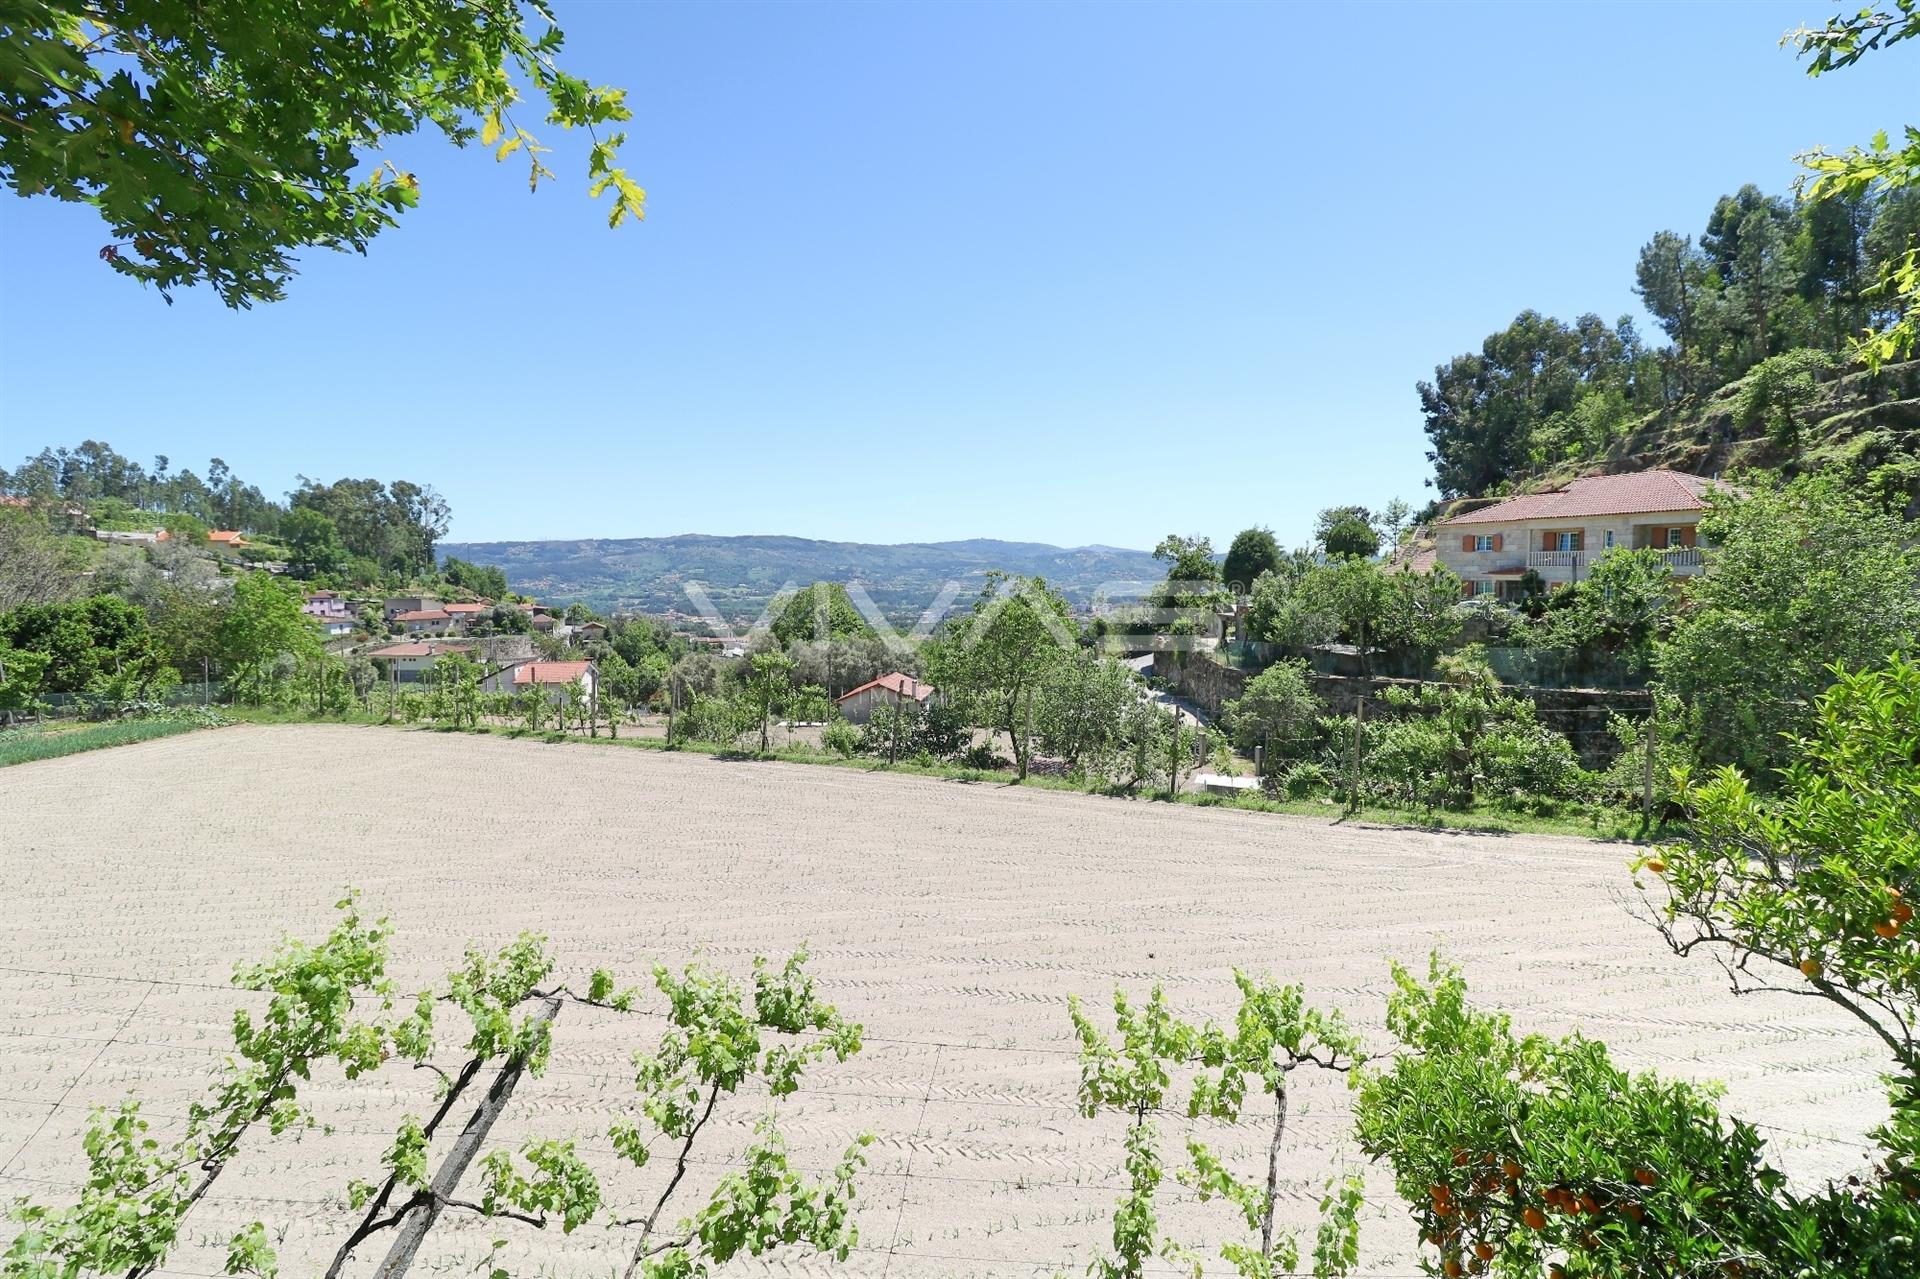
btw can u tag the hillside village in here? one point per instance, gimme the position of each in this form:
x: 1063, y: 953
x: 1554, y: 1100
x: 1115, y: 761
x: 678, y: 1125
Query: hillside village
x: 1548, y: 611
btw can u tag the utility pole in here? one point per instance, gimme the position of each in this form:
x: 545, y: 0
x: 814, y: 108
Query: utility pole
x: 1646, y: 771
x: 1353, y: 763
x: 1173, y: 758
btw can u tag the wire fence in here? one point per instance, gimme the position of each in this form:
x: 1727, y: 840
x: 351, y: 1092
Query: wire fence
x: 66, y: 706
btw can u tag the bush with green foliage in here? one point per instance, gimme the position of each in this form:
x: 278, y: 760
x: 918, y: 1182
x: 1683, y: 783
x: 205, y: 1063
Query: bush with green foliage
x: 1803, y: 576
x: 1518, y: 1154
x: 100, y: 648
x: 840, y: 737
x: 1278, y: 711
x: 1459, y: 741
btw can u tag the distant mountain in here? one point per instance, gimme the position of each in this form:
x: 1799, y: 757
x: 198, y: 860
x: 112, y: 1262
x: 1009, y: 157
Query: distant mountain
x: 741, y: 574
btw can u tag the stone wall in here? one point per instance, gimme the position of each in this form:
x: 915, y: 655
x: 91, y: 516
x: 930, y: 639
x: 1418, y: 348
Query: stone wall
x: 1581, y: 714
x: 1201, y: 680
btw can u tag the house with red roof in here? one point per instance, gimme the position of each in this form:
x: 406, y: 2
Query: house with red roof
x: 550, y: 677
x: 410, y: 663
x: 424, y: 621
x: 895, y: 689
x: 1560, y: 532
x: 465, y: 615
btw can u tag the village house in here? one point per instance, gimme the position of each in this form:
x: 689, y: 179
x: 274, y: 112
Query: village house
x: 591, y: 630
x: 550, y: 677
x: 1557, y: 535
x: 465, y: 615
x: 410, y: 663
x: 229, y: 538
x: 425, y: 621
x: 895, y: 689
x: 325, y: 604
x: 398, y: 604
x: 335, y: 627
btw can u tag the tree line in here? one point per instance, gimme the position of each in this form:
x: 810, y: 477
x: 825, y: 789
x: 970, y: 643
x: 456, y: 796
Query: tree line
x: 356, y: 528
x: 1767, y: 282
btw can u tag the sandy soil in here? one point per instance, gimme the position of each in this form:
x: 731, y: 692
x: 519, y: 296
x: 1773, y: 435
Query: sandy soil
x: 954, y: 920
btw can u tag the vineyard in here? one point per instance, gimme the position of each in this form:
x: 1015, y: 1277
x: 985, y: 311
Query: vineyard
x: 560, y: 1053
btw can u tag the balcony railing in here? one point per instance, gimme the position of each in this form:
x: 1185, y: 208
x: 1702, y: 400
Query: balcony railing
x: 1677, y: 558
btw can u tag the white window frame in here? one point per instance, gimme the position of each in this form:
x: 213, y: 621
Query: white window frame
x: 1482, y: 586
x: 1677, y: 537
x: 1609, y: 539
x: 1565, y: 541
x: 1483, y: 542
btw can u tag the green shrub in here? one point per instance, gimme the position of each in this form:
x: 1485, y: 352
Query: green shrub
x: 840, y: 737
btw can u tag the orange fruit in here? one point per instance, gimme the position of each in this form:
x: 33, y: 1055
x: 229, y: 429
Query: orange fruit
x: 1646, y: 1176
x: 1535, y: 1219
x: 1483, y: 1250
x: 1888, y: 928
x: 1810, y: 968
x: 1656, y: 865
x: 1511, y: 1168
x: 1902, y: 912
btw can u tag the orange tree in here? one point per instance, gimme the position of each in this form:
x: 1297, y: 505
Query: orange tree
x: 1528, y: 1155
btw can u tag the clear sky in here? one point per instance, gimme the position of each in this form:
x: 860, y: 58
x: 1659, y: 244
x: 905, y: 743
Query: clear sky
x: 1056, y: 272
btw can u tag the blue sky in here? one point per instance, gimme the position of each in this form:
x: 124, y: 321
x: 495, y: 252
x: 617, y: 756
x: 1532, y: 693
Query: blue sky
x: 1055, y: 272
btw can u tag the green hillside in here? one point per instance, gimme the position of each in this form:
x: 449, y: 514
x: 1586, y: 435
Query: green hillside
x: 1865, y: 424
x: 741, y: 574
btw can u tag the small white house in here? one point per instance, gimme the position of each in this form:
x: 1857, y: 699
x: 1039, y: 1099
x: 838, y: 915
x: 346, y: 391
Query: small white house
x: 895, y: 689
x: 410, y: 663
x: 552, y: 677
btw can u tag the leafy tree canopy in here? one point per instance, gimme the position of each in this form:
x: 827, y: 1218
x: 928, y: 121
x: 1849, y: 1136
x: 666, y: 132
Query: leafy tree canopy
x: 218, y: 138
x: 489, y: 581
x: 1347, y: 532
x: 1188, y: 559
x: 1254, y: 551
x: 1804, y: 575
x: 821, y: 611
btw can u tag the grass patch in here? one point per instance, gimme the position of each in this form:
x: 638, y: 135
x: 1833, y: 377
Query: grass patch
x: 24, y: 745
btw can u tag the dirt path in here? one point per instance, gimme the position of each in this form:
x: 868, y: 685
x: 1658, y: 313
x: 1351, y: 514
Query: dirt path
x: 953, y: 919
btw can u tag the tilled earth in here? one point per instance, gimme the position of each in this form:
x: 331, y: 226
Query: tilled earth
x: 953, y: 920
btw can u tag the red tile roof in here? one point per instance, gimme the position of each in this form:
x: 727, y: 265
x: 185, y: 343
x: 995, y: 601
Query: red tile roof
x: 550, y: 672
x: 419, y: 650
x: 466, y: 608
x: 421, y: 615
x: 1638, y: 493
x: 897, y: 684
x: 227, y: 536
